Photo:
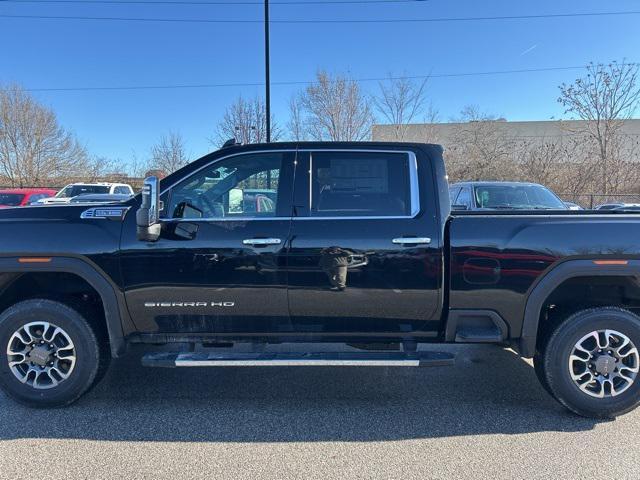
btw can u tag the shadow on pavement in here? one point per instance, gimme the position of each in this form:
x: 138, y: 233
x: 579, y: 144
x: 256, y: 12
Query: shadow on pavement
x: 489, y: 391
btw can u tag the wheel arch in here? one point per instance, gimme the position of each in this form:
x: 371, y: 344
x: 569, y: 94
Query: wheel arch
x: 554, y: 279
x: 97, y: 279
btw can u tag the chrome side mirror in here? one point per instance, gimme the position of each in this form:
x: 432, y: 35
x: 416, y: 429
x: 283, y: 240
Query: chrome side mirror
x: 147, y: 216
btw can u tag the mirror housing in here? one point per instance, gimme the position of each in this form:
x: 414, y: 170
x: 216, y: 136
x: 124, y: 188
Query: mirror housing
x: 148, y: 215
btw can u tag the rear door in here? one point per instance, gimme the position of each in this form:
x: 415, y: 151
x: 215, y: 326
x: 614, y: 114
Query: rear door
x: 365, y: 253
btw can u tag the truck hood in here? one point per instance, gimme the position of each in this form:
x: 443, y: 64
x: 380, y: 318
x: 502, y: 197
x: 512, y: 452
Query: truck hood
x: 62, y: 213
x: 65, y: 230
x: 55, y: 200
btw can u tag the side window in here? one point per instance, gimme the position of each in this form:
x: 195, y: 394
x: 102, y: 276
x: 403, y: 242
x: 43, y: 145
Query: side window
x: 245, y: 186
x: 453, y: 193
x: 360, y: 184
x: 123, y: 190
x: 464, y: 198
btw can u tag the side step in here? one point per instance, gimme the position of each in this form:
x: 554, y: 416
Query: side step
x: 342, y: 359
x: 479, y: 335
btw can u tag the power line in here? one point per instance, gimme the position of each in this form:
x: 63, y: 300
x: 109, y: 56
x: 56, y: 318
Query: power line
x: 308, y: 82
x: 222, y: 2
x: 401, y: 20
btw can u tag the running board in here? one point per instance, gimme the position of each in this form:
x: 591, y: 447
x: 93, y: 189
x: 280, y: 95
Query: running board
x: 341, y: 359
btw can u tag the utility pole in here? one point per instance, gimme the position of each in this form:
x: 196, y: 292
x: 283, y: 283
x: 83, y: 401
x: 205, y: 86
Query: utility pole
x: 266, y: 69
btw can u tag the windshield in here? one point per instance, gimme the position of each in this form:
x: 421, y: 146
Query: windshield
x: 11, y: 199
x: 75, y: 190
x: 522, y: 197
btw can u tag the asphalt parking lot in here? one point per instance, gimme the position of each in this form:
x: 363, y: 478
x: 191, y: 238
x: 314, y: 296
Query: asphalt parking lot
x: 487, y: 417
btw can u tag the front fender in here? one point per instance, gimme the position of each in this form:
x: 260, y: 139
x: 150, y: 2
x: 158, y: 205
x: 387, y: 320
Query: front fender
x: 85, y: 270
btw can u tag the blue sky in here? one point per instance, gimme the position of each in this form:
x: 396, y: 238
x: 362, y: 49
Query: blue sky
x: 39, y: 53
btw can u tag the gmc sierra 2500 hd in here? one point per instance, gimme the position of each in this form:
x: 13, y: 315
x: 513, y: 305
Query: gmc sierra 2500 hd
x: 301, y: 243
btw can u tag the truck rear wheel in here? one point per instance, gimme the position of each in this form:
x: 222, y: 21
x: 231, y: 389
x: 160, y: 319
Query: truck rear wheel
x: 591, y: 363
x: 49, y: 354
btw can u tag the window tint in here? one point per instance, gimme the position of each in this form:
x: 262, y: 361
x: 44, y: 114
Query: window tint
x: 464, y: 198
x: 11, y: 199
x: 517, y: 197
x: 453, y: 193
x: 245, y: 186
x: 75, y: 190
x: 360, y: 184
x: 123, y: 190
x: 37, y: 196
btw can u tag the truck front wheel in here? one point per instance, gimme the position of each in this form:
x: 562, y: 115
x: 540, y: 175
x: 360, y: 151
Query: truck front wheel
x: 591, y: 364
x: 49, y: 354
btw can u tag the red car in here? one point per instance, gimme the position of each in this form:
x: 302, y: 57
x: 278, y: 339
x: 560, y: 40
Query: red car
x: 20, y: 197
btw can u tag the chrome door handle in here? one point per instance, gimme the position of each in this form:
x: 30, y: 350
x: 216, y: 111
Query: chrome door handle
x: 411, y: 240
x: 262, y: 241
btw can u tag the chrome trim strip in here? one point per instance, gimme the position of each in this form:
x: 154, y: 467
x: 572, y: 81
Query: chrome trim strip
x: 413, y: 186
x: 364, y: 217
x: 223, y: 219
x: 296, y: 363
x: 261, y: 241
x: 213, y: 162
x: 411, y: 240
x: 104, y: 213
x: 310, y: 181
x: 282, y: 219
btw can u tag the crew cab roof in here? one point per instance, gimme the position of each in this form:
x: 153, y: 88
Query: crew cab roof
x: 261, y: 147
x: 485, y: 183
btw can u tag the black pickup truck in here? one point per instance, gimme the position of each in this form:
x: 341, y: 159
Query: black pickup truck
x: 305, y: 244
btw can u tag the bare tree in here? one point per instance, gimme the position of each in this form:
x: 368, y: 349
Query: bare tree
x: 34, y: 149
x: 480, y: 148
x: 169, y: 154
x: 136, y: 166
x: 295, y: 125
x: 400, y: 102
x: 561, y: 164
x: 604, y: 98
x: 336, y: 109
x: 246, y: 121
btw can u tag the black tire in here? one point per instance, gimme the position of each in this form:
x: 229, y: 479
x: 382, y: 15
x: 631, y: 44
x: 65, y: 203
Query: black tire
x: 554, y: 362
x: 538, y: 367
x: 89, y: 356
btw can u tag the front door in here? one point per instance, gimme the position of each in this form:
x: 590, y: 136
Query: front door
x: 365, y: 251
x: 219, y: 266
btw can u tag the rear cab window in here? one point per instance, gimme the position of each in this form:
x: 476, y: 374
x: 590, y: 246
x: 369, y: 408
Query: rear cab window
x: 75, y: 190
x: 123, y: 190
x: 453, y: 194
x: 464, y: 198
